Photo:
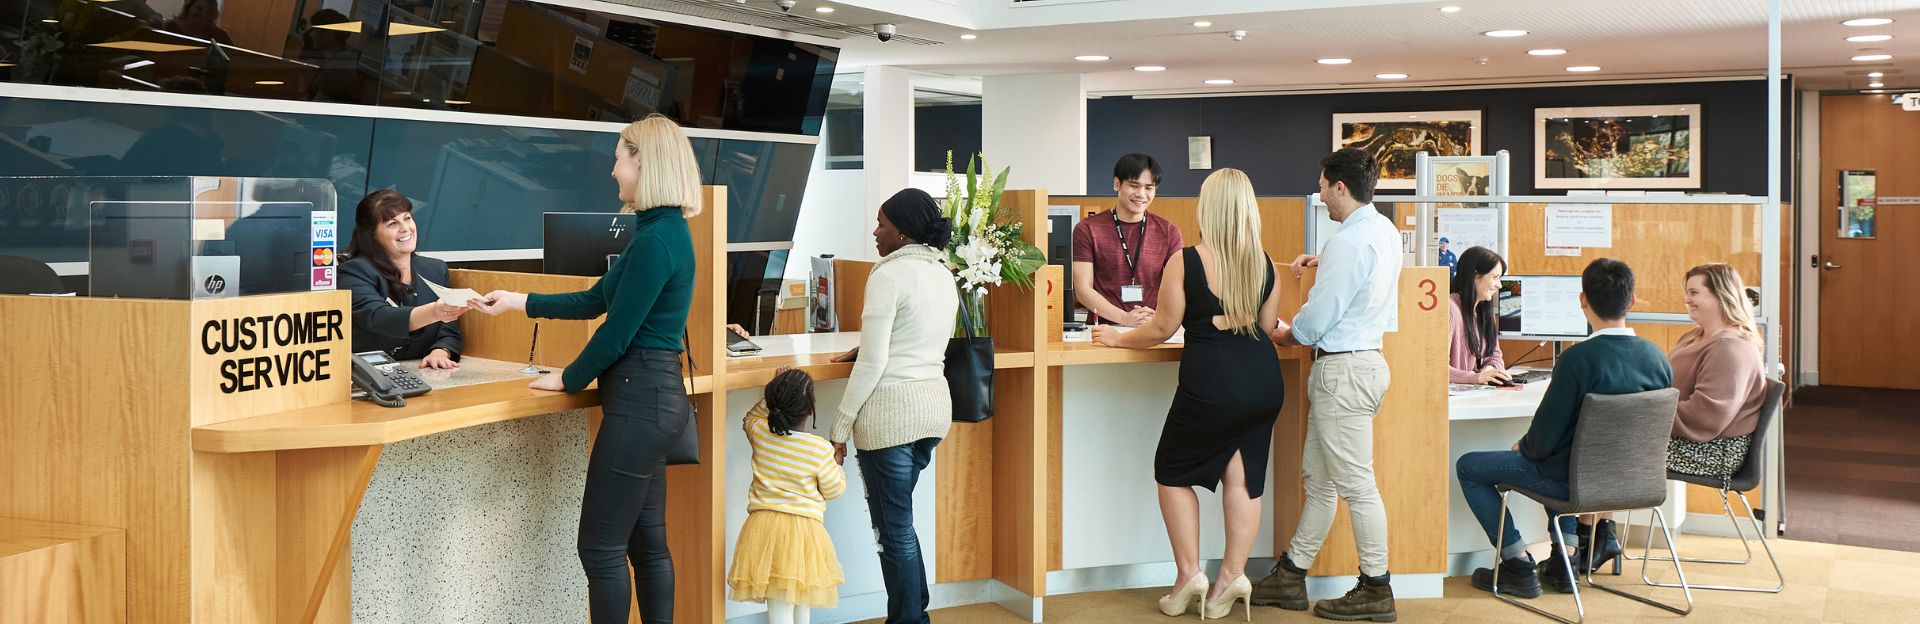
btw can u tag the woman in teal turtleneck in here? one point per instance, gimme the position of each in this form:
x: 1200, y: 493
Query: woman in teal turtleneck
x: 636, y: 357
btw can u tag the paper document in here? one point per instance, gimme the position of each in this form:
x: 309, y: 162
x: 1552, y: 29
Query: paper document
x: 456, y: 297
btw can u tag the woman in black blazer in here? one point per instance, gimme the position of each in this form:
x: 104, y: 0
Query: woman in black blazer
x: 393, y: 309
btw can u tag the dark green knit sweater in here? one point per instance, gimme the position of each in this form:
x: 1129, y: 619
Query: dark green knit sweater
x: 1606, y: 364
x: 645, y: 295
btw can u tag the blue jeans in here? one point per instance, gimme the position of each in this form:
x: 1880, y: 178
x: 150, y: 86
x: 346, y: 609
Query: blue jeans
x: 890, y: 475
x: 1481, y: 471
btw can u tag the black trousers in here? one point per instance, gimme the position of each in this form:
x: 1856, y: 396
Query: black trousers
x: 624, y: 515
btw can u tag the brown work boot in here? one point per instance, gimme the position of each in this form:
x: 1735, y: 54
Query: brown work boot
x: 1371, y: 600
x: 1286, y: 587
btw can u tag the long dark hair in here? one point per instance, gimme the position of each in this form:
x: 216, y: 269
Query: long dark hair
x: 789, y: 399
x: 374, y: 209
x: 1482, y: 319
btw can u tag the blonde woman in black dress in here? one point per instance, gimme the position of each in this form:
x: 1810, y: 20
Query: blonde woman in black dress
x: 1220, y: 428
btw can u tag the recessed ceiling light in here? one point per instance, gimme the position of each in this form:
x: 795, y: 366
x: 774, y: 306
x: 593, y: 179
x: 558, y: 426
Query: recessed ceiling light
x: 1334, y: 61
x: 1390, y: 76
x: 1149, y: 68
x: 1504, y: 33
x: 1867, y: 58
x: 1867, y: 21
x: 824, y: 9
x: 1868, y: 38
x: 396, y: 29
x: 1202, y: 24
x: 1220, y: 81
x: 1090, y: 57
x: 1876, y: 91
x: 1876, y: 84
x: 268, y: 83
x: 458, y: 102
x: 1449, y: 9
x: 969, y: 36
x: 1875, y: 74
x: 49, y: 21
x: 1584, y: 68
x: 1547, y: 52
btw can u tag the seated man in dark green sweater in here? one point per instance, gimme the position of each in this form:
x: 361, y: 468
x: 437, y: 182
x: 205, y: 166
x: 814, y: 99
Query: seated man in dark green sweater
x: 1611, y: 361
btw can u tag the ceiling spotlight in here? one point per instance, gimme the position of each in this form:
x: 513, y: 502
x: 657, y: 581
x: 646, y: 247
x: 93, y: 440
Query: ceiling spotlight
x: 969, y: 36
x: 824, y: 9
x: 276, y: 83
x: 1868, y: 58
x: 1202, y: 24
x: 458, y: 102
x: 1220, y: 81
x: 1584, y: 68
x: 1090, y: 57
x: 1150, y: 68
x: 1876, y: 84
x: 1868, y: 38
x: 1449, y: 9
x: 1867, y: 21
x: 1390, y: 76
x: 1547, y: 52
x: 1875, y: 74
x: 1504, y: 33
x: 786, y: 6
x: 1334, y: 61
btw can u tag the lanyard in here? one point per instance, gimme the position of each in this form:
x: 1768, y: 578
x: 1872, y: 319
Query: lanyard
x: 1131, y: 257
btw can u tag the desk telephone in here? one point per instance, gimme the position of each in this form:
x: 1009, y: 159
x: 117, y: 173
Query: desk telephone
x: 385, y: 381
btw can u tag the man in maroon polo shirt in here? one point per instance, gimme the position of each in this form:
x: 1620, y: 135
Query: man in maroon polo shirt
x: 1121, y: 252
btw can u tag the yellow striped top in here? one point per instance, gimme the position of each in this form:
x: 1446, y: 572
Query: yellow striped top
x: 794, y: 473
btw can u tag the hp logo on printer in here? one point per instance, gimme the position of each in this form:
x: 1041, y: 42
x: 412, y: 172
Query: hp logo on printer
x: 215, y: 284
x: 616, y: 227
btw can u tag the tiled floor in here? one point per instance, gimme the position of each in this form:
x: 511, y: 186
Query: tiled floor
x: 1825, y: 583
x: 1853, y: 467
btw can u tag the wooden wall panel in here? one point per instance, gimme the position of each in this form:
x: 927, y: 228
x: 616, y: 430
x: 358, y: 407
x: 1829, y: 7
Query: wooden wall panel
x: 508, y: 337
x: 1283, y: 225
x: 1660, y: 242
x: 850, y: 284
x: 319, y: 493
x: 62, y: 573
x: 963, y: 503
x: 1409, y: 444
x: 697, y: 494
x: 95, y: 432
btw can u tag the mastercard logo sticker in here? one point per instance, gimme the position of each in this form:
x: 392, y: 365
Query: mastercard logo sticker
x: 322, y: 256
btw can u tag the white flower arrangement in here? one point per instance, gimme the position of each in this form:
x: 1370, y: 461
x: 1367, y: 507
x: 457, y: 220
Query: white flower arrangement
x: 987, y: 247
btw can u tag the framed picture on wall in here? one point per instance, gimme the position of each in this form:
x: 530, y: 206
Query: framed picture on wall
x: 1617, y: 147
x: 1394, y: 138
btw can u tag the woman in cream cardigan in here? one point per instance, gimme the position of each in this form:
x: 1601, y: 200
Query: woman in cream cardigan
x: 896, y: 408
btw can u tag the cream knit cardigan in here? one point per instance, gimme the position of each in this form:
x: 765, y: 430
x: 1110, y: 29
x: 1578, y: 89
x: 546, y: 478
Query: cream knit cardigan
x: 898, y: 391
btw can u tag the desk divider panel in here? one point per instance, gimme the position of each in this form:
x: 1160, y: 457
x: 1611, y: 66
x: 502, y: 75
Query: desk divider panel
x: 1410, y: 450
x: 1283, y: 225
x: 509, y: 337
x: 850, y: 291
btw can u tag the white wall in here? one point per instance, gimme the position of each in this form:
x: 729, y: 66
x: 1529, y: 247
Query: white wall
x: 830, y: 210
x: 1037, y: 124
x: 1807, y: 205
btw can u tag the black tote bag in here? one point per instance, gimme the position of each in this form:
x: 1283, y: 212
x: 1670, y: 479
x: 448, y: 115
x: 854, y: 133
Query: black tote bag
x: 970, y: 373
x: 686, y: 450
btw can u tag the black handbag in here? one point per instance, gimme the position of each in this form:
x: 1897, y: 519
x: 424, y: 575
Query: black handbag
x: 969, y: 372
x: 686, y: 450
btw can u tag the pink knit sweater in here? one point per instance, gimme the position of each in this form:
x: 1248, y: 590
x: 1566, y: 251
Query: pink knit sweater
x: 1463, y: 366
x: 1721, y: 385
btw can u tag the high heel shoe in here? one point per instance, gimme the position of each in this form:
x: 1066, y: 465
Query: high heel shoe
x: 1194, y: 590
x: 1240, y: 590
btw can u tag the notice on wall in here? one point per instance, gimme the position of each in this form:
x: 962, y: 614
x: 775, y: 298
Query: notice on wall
x: 1464, y: 228
x: 1569, y: 252
x: 1580, y: 226
x: 582, y: 50
x: 642, y: 90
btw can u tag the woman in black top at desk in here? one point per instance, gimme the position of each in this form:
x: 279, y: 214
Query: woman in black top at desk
x: 635, y: 355
x: 393, y: 309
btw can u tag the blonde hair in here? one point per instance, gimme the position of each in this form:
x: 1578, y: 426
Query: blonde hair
x: 1727, y: 288
x: 669, y: 175
x: 1230, y: 226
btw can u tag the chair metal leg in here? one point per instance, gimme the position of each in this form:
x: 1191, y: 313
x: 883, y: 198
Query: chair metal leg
x: 1780, y: 580
x: 1559, y: 539
x: 1646, y: 551
x: 1726, y: 507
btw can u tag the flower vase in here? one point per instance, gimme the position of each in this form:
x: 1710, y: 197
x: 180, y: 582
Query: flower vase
x: 973, y: 304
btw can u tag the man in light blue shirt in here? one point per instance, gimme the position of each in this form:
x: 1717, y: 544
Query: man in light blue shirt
x: 1353, y: 300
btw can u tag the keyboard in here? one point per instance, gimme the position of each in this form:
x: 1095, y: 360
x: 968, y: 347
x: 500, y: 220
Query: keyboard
x: 1531, y: 376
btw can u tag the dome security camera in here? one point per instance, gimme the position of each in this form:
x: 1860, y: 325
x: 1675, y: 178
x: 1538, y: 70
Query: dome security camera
x: 1238, y: 35
x: 786, y: 5
x: 884, y: 32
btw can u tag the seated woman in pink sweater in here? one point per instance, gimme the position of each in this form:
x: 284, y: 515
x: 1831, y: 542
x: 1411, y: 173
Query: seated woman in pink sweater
x: 1717, y: 368
x: 1474, y: 356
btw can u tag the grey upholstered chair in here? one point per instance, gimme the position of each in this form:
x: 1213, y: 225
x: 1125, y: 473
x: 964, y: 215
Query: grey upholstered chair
x: 1746, y: 479
x: 25, y: 276
x: 1619, y: 464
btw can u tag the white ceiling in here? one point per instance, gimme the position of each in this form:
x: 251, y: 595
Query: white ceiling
x: 1628, y: 39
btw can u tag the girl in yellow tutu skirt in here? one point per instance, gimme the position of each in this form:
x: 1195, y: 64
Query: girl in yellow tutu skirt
x: 783, y: 557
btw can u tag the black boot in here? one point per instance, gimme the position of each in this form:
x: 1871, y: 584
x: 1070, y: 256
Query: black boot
x: 1553, y: 573
x: 1518, y: 577
x: 1606, y: 546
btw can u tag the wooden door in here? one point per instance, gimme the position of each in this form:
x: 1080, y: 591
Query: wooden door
x: 1868, y: 288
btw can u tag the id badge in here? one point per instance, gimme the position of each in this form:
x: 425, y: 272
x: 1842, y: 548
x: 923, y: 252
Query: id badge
x: 1132, y: 293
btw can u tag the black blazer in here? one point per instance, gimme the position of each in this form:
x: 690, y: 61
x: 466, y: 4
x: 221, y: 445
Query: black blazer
x: 380, y: 316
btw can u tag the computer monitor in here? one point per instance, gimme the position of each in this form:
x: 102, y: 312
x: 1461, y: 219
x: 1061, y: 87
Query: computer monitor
x: 1551, y: 309
x: 584, y: 243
